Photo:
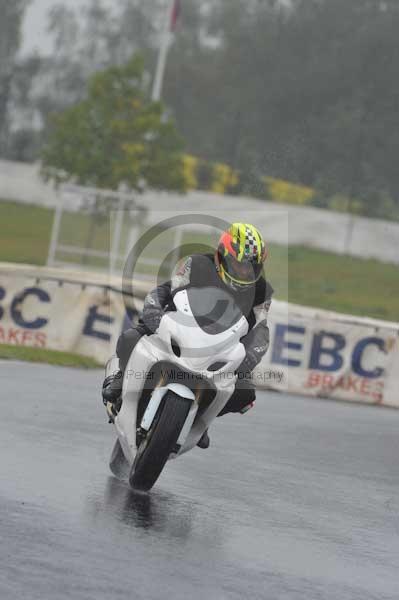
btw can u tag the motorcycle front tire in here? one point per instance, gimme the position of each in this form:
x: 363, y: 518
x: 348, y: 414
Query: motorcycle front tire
x: 160, y: 441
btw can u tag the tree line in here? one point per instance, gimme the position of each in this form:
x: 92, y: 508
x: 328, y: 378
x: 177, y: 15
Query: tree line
x: 305, y: 91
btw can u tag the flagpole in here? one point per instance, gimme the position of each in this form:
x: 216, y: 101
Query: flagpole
x: 163, y: 52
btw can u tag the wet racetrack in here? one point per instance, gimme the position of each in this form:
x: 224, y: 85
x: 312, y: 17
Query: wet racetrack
x: 297, y: 500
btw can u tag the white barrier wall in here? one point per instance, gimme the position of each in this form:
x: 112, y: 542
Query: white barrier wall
x: 281, y: 223
x: 21, y: 182
x: 312, y: 352
x: 321, y: 353
x: 61, y: 310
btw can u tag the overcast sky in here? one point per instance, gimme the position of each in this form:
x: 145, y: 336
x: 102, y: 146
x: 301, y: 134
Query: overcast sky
x: 34, y: 29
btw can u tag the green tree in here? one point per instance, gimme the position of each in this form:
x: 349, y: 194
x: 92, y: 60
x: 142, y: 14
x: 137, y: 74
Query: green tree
x: 305, y: 90
x: 84, y: 42
x: 10, y: 37
x: 115, y: 135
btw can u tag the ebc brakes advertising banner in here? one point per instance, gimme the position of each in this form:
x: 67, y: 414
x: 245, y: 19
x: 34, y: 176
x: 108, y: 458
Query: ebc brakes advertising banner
x: 312, y: 352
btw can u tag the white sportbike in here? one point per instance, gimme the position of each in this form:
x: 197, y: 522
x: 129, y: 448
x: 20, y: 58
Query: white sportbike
x: 176, y: 383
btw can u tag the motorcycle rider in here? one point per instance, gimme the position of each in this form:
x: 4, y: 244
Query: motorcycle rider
x: 237, y: 266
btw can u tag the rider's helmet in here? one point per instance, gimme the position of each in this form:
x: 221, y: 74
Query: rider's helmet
x: 240, y: 256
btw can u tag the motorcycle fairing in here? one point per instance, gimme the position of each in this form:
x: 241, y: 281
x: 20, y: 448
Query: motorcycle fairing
x: 198, y: 350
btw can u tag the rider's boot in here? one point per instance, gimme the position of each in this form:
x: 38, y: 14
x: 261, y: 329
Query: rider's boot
x: 112, y: 388
x: 204, y: 441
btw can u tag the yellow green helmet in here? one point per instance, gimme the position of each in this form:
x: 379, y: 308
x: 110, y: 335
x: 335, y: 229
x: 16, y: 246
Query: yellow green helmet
x: 240, y: 255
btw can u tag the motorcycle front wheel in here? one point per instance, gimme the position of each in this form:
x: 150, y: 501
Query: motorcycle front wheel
x: 160, y: 441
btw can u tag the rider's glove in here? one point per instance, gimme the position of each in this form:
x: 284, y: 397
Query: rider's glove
x: 154, y: 304
x: 112, y: 388
x: 256, y: 343
x: 152, y: 318
x: 247, y: 365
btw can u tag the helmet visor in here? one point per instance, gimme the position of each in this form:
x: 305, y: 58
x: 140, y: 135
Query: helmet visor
x: 242, y: 273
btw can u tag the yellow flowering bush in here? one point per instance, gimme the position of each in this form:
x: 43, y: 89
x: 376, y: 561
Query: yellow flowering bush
x: 190, y: 167
x: 223, y: 178
x: 341, y: 203
x: 290, y: 193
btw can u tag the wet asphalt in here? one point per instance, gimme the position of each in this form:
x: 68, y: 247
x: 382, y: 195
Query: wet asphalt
x: 298, y: 499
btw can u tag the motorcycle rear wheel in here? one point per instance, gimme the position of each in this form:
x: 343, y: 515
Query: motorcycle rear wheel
x: 160, y: 441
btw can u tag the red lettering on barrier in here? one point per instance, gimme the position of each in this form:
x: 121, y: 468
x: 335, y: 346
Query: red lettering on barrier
x: 40, y: 340
x: 328, y: 381
x: 378, y: 395
x: 365, y: 387
x: 340, y: 383
x: 351, y: 384
x: 361, y: 386
x: 22, y: 337
x: 13, y: 336
x: 313, y: 380
x: 26, y: 337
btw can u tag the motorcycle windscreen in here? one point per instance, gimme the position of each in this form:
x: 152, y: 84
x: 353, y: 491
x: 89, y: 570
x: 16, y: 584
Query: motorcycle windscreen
x: 213, y: 309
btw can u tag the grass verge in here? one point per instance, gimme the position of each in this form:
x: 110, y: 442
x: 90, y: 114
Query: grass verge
x: 300, y: 275
x: 50, y: 357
